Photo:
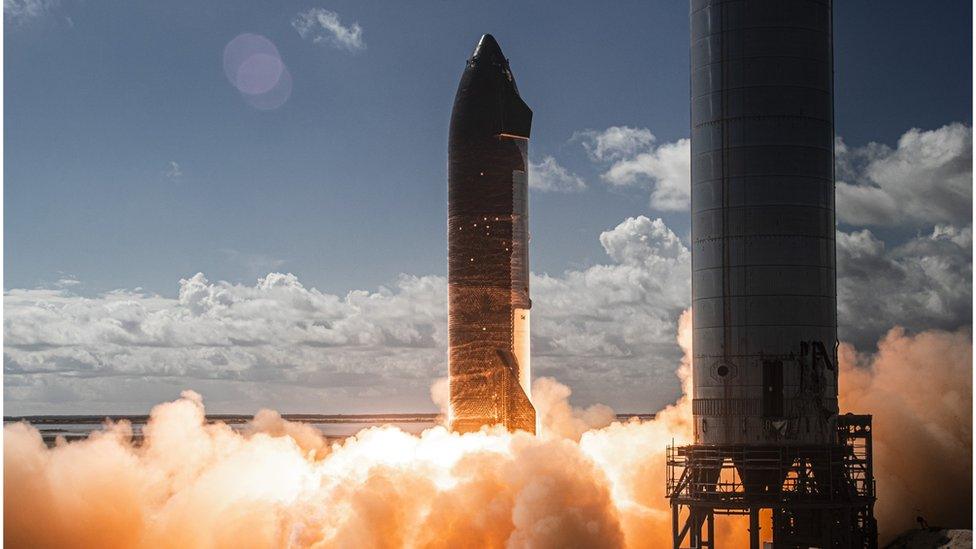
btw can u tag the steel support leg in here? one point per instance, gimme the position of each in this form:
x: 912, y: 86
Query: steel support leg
x: 675, y: 533
x: 710, y: 519
x: 695, y: 521
x: 753, y: 528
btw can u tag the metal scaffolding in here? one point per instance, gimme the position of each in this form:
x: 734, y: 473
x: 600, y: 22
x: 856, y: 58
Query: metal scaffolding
x: 820, y: 495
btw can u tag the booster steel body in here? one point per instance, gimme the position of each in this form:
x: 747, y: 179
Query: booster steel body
x: 762, y: 181
x: 488, y: 267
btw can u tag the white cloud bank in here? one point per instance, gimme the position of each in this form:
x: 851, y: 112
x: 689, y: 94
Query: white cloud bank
x: 280, y: 343
x: 322, y: 26
x: 607, y: 330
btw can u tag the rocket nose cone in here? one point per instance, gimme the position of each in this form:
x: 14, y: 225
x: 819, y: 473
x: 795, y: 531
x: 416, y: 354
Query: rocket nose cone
x: 488, y: 48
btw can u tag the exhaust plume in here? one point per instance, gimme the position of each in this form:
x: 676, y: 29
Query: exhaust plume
x: 586, y: 480
x: 919, y: 389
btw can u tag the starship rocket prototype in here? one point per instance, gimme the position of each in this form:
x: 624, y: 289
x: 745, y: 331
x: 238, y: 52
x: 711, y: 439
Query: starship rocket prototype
x: 488, y: 254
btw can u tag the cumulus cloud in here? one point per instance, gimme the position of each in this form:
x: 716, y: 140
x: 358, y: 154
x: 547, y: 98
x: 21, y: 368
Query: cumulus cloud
x: 926, y: 179
x: 615, y: 142
x: 21, y: 11
x: 173, y: 171
x: 322, y: 26
x: 609, y: 328
x: 633, y: 157
x: 923, y: 283
x: 550, y: 176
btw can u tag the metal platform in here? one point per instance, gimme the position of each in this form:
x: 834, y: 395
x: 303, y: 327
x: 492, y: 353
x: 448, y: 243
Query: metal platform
x: 820, y: 495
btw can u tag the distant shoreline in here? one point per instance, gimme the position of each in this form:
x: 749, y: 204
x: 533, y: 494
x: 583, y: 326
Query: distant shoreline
x: 334, y: 427
x: 234, y: 419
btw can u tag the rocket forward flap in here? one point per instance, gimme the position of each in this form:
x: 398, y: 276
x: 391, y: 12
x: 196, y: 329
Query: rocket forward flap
x: 516, y: 117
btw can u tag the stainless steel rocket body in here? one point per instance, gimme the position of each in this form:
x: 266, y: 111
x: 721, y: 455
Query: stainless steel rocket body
x: 488, y: 268
x: 764, y: 283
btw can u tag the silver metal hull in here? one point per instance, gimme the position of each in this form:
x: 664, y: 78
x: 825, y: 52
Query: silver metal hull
x: 764, y: 280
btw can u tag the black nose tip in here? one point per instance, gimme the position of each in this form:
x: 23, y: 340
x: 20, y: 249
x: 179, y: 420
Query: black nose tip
x: 488, y: 49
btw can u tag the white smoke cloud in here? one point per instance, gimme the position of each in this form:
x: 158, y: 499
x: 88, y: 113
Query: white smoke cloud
x: 323, y: 26
x: 633, y: 158
x: 926, y: 179
x: 548, y: 175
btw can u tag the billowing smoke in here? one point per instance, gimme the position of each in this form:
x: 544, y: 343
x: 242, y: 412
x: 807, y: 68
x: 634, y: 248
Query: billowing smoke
x: 919, y: 389
x: 586, y: 481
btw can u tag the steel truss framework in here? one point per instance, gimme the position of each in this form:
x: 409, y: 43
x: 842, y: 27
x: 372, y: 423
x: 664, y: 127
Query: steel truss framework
x: 820, y: 496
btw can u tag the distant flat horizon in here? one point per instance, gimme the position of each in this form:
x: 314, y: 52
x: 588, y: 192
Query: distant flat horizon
x: 62, y: 429
x: 54, y: 419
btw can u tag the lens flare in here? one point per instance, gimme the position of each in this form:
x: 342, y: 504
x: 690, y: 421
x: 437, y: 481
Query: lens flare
x: 259, y: 73
x: 254, y: 67
x: 276, y: 96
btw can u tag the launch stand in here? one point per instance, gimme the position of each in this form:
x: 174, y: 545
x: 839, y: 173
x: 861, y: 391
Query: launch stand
x: 820, y: 495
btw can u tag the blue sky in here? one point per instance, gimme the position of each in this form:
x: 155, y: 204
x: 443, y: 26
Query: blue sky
x: 132, y: 163
x: 345, y: 184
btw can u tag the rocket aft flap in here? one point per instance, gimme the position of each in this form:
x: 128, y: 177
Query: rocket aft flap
x: 488, y: 259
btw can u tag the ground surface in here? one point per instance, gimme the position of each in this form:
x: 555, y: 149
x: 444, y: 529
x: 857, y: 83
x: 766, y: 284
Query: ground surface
x: 932, y: 539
